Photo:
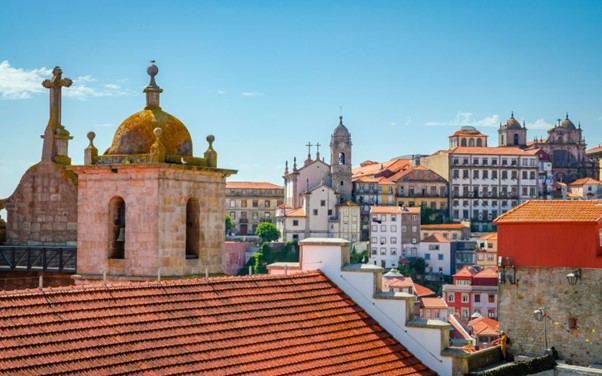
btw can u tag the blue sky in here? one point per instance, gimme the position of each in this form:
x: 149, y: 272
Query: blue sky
x: 266, y: 77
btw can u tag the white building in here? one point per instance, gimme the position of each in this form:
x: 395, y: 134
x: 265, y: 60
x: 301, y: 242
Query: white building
x: 436, y: 251
x: 385, y: 236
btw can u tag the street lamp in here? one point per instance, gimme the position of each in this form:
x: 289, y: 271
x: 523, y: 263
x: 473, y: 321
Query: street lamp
x: 541, y: 315
x: 573, y: 277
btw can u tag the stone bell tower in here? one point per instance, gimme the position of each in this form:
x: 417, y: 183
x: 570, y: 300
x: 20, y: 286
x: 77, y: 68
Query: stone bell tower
x: 147, y: 207
x: 340, y: 161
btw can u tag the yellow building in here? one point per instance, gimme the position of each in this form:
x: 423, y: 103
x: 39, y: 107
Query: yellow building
x: 250, y: 203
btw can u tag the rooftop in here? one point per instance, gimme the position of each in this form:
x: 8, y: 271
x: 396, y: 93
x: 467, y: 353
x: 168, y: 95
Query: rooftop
x: 299, y: 323
x: 251, y: 185
x: 553, y: 211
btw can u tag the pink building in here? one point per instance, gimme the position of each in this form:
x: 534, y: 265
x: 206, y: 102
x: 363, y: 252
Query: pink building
x: 473, y: 291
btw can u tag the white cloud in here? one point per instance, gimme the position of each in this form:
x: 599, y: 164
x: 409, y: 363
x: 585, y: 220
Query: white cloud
x: 16, y: 83
x: 466, y: 118
x: 251, y: 94
x: 539, y: 124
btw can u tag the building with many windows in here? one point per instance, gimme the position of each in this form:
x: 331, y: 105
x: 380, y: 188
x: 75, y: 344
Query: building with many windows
x: 485, y: 182
x: 419, y: 186
x: 473, y: 291
x: 250, y: 203
x: 436, y: 251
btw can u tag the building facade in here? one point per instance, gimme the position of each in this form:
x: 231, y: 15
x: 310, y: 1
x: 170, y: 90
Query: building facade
x: 250, y: 203
x: 473, y: 291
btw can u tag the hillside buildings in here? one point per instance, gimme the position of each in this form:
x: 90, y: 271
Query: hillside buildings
x: 250, y: 203
x: 394, y: 234
x: 473, y: 291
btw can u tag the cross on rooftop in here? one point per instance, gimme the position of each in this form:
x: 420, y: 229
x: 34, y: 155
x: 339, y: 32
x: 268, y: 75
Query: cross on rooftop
x: 55, y: 84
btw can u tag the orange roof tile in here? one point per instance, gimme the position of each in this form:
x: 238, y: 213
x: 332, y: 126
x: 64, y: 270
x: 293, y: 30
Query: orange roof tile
x: 422, y: 291
x: 399, y: 282
x: 268, y: 325
x: 553, y: 211
x: 488, y: 236
x: 506, y: 150
x: 436, y: 238
x: 584, y: 181
x: 300, y: 212
x: 385, y: 210
x: 444, y: 226
x: 466, y: 271
x: 373, y: 168
x: 410, y: 169
x: 434, y: 303
x: 487, y: 273
x: 251, y: 184
x: 595, y: 149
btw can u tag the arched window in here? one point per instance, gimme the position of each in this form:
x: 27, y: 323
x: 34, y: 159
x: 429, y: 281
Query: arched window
x: 471, y: 142
x: 479, y: 142
x: 515, y: 139
x: 192, y: 229
x: 117, y: 228
x: 341, y: 158
x: 463, y: 142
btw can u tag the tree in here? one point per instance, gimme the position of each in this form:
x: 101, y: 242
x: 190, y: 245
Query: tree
x: 267, y: 232
x: 228, y: 224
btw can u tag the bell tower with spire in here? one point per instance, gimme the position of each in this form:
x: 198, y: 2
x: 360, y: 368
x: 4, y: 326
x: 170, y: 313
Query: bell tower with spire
x: 340, y: 161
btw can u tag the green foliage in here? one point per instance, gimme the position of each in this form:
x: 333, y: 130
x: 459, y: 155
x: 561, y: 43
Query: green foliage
x: 414, y: 267
x: 266, y: 256
x: 358, y: 258
x: 267, y: 232
x: 228, y: 224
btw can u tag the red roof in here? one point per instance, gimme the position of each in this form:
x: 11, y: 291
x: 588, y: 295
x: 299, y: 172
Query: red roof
x: 434, y: 303
x: 436, y: 238
x: 251, y: 184
x: 422, y: 291
x: 584, y: 181
x: 537, y: 211
x: 266, y: 325
x: 466, y: 271
x: 444, y: 226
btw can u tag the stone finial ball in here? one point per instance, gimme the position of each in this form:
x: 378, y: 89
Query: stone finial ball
x: 157, y: 131
x: 152, y: 69
x: 91, y: 136
x: 210, y: 138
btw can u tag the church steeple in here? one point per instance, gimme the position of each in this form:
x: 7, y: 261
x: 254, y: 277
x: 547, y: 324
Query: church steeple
x: 340, y: 160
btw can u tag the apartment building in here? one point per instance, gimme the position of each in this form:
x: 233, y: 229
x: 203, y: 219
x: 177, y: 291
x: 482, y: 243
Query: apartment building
x: 250, y: 203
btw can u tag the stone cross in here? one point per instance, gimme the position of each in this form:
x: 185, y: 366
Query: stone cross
x: 309, y: 145
x: 55, y: 84
x: 318, y: 151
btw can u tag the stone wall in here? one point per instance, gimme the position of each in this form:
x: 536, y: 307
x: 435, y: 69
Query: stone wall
x: 31, y: 280
x: 43, y: 208
x: 156, y: 197
x: 234, y: 256
x: 565, y: 305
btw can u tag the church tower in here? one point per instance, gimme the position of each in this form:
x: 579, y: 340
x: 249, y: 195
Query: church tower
x: 340, y: 161
x: 512, y: 133
x: 147, y: 207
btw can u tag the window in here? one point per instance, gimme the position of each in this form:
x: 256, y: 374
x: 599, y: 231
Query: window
x: 491, y: 298
x: 374, y: 228
x: 514, y: 175
x: 465, y: 174
x: 433, y: 247
x: 494, y: 162
x: 477, y: 298
x: 383, y: 251
x: 427, y: 256
x: 475, y: 174
x: 117, y: 228
x: 524, y: 174
x: 374, y: 251
x: 440, y: 256
x: 383, y: 240
x: 414, y: 228
x: 373, y: 240
x: 393, y: 240
x: 450, y: 297
x: 254, y: 215
x: 255, y: 203
x: 193, y: 229
x: 232, y: 215
x: 266, y: 215
x: 485, y: 174
x: 383, y: 228
x: 315, y: 211
x: 393, y: 228
x: 504, y: 174
x: 393, y: 252
x: 414, y: 218
x: 322, y: 202
x: 243, y: 203
x: 464, y: 298
x: 295, y: 222
x: 266, y: 204
x: 494, y: 174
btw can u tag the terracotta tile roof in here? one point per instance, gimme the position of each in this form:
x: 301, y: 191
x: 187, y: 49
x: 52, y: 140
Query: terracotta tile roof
x: 466, y: 271
x: 435, y: 238
x: 300, y: 212
x: 583, y: 181
x: 267, y: 325
x: 595, y: 149
x: 487, y: 273
x: 401, y: 282
x: 251, y: 184
x: 506, y: 150
x: 444, y: 226
x: 488, y: 236
x: 434, y: 303
x: 422, y: 291
x: 410, y: 169
x: 553, y: 211
x: 385, y: 210
x: 373, y: 168
x: 484, y: 326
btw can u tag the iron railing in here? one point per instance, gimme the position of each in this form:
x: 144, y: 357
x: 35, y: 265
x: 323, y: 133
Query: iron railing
x: 37, y: 259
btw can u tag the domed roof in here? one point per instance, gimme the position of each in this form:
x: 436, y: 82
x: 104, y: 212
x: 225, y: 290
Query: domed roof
x: 512, y: 123
x: 468, y: 128
x: 568, y: 124
x: 341, y: 131
x: 136, y: 134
